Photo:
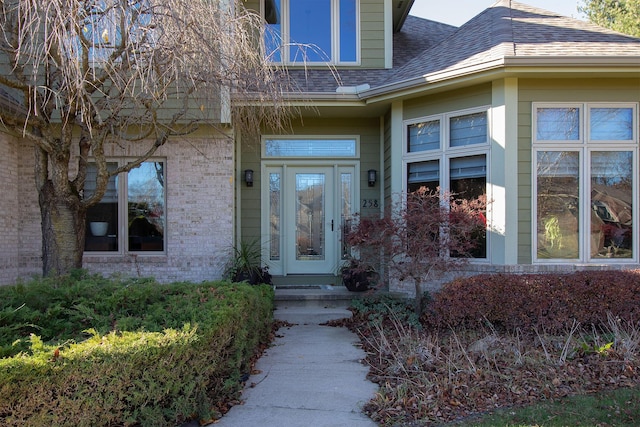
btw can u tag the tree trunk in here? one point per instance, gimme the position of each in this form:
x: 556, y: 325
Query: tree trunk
x: 63, y: 231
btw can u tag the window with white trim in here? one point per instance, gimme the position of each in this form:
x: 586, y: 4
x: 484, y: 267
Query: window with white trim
x: 304, y: 31
x: 131, y: 215
x: 450, y: 151
x: 585, y: 182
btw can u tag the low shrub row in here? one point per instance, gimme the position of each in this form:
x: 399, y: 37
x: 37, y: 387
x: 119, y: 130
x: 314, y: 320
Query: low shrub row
x: 550, y: 302
x: 94, y: 352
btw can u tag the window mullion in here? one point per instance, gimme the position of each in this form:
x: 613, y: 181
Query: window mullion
x: 123, y: 220
x: 286, y: 42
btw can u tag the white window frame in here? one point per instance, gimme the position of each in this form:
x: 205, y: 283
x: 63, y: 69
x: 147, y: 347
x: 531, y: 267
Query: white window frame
x: 584, y: 146
x: 122, y: 186
x: 445, y: 153
x: 286, y: 43
x: 355, y: 138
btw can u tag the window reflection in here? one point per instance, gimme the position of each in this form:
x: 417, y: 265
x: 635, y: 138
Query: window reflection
x: 102, y: 219
x: 558, y: 124
x: 468, y: 181
x: 558, y: 207
x: 274, y: 216
x: 300, y: 31
x: 424, y: 136
x: 611, y: 204
x: 144, y: 217
x: 146, y: 209
x: 611, y: 124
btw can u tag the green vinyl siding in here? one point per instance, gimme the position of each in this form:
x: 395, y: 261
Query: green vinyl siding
x: 249, y: 196
x: 559, y: 90
x: 448, y: 101
x: 372, y: 33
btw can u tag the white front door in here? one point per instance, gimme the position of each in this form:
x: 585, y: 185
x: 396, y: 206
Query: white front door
x: 311, y: 227
x: 307, y: 208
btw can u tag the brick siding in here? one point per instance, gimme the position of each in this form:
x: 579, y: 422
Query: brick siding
x: 199, y: 214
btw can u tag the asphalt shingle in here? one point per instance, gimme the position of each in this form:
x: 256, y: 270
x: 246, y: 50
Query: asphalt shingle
x: 507, y: 29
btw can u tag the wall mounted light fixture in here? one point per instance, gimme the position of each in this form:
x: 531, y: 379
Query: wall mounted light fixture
x: 372, y: 177
x: 248, y: 177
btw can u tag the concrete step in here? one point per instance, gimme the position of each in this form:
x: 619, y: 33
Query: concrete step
x: 314, y: 292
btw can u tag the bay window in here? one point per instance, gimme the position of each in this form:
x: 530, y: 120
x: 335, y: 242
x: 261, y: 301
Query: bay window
x: 131, y: 215
x: 307, y: 31
x: 585, y: 182
x: 450, y: 151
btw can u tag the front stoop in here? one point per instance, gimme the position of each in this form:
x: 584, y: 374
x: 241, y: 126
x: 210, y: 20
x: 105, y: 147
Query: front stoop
x: 315, y: 293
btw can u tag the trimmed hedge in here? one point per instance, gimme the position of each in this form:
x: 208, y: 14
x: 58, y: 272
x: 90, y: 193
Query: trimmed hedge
x: 159, y: 354
x: 550, y: 302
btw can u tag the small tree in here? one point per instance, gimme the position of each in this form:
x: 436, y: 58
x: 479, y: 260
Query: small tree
x: 422, y: 237
x: 84, y: 74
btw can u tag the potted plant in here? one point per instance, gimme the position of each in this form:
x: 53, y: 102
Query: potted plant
x: 358, y: 276
x: 244, y: 265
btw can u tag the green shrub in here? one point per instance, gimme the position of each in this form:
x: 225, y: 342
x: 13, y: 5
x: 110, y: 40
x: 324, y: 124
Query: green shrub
x: 378, y: 308
x: 125, y: 353
x: 550, y: 302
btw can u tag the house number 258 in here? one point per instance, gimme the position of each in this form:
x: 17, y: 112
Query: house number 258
x: 369, y: 203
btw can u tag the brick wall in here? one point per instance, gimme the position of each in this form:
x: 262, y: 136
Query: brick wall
x: 9, y: 208
x: 200, y: 214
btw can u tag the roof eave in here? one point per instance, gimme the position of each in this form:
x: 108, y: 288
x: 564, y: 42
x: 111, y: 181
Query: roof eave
x: 506, y: 65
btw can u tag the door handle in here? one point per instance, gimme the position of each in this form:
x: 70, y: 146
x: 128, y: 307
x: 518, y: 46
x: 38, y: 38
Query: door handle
x: 331, y: 225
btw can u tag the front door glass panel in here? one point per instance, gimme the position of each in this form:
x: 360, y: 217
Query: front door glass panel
x: 310, y: 216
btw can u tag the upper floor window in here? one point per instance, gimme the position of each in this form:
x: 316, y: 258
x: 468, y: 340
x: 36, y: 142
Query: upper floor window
x: 109, y: 24
x: 307, y: 31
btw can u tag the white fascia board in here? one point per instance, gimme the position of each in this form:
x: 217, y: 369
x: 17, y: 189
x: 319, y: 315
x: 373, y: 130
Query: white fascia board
x: 512, y: 66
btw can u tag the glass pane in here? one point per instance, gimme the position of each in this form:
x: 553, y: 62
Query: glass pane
x: 468, y: 180
x: 423, y: 174
x: 146, y: 207
x: 310, y: 148
x: 310, y: 215
x: 102, y: 219
x: 612, y: 204
x: 558, y: 124
x: 274, y: 216
x: 611, y: 124
x: 558, y: 204
x: 424, y: 136
x: 468, y: 130
x: 346, y: 190
x: 348, y: 27
x: 273, y: 30
x: 310, y: 28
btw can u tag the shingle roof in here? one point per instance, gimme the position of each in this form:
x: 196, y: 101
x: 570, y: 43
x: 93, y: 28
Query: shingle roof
x: 507, y: 29
x: 416, y: 35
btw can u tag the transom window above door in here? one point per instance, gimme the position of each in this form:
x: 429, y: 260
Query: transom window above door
x: 311, y: 147
x: 308, y: 31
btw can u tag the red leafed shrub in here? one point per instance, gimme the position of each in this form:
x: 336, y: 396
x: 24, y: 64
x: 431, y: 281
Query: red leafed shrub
x: 550, y: 302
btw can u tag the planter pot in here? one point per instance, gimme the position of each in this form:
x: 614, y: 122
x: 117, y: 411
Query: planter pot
x: 99, y: 228
x: 357, y: 281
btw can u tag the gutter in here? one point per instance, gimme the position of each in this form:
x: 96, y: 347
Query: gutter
x: 538, y: 64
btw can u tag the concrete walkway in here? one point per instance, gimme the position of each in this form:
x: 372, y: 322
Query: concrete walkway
x: 311, y: 376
